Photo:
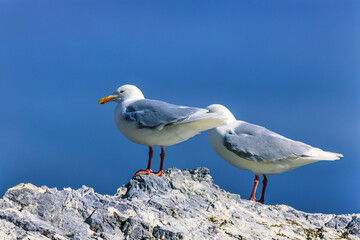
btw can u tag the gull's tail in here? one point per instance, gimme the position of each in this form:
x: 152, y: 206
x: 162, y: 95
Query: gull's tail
x: 204, y: 121
x: 320, y: 155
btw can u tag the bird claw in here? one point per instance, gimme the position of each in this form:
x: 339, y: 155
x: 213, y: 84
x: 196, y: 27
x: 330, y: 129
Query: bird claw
x: 159, y: 173
x: 252, y: 198
x: 142, y: 172
x: 261, y: 200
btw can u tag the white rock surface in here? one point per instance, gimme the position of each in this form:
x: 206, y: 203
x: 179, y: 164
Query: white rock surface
x: 181, y: 205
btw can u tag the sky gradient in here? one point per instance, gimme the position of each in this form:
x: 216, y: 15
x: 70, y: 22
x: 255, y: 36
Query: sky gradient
x: 290, y: 66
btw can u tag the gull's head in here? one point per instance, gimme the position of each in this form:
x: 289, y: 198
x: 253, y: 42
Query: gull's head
x: 217, y: 108
x: 125, y: 92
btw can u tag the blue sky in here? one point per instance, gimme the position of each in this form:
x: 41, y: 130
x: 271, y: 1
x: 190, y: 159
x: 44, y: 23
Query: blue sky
x: 291, y: 66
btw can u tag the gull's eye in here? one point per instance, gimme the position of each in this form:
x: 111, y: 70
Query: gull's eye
x: 121, y: 91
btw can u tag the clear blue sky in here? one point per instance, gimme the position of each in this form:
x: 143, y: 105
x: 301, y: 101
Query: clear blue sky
x: 291, y: 66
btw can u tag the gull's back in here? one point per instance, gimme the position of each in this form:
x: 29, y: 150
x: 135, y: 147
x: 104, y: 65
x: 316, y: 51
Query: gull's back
x: 262, y: 151
x: 153, y: 122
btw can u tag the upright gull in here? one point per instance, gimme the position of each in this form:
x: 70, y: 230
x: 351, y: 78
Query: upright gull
x: 157, y: 123
x: 260, y: 150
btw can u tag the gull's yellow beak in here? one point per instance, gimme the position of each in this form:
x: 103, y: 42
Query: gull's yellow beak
x: 106, y: 99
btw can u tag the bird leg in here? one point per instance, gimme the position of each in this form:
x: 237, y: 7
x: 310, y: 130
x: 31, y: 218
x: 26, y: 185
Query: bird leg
x: 162, y: 156
x: 256, y: 182
x: 150, y: 157
x: 265, y: 181
x: 148, y: 170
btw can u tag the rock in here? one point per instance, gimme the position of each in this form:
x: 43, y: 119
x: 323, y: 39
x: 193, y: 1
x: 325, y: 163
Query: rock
x: 180, y: 205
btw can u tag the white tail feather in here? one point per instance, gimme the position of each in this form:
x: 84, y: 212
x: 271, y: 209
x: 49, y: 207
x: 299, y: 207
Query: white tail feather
x: 320, y: 155
x: 205, y: 123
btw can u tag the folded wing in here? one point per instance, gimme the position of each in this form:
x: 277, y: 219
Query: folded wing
x: 158, y: 114
x: 259, y: 144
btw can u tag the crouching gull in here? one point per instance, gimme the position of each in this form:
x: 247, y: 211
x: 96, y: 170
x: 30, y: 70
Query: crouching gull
x: 260, y: 150
x: 157, y: 123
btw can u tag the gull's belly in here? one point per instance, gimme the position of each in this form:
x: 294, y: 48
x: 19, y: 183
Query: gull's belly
x: 153, y: 137
x: 274, y: 167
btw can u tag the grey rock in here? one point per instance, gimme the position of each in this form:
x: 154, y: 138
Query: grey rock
x: 180, y: 205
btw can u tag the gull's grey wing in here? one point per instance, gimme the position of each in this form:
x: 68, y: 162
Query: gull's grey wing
x: 149, y: 113
x: 256, y: 143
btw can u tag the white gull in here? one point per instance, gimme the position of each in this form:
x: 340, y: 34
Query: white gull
x: 255, y: 148
x: 157, y: 123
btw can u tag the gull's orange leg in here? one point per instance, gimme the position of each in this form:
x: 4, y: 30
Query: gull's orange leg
x: 265, y: 181
x: 148, y: 170
x: 256, y: 182
x: 162, y: 156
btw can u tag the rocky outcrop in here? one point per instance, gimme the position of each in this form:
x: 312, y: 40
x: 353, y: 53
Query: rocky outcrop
x: 181, y: 205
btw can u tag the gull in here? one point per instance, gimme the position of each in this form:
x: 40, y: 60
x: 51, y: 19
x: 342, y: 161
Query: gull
x: 157, y: 123
x: 255, y: 148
